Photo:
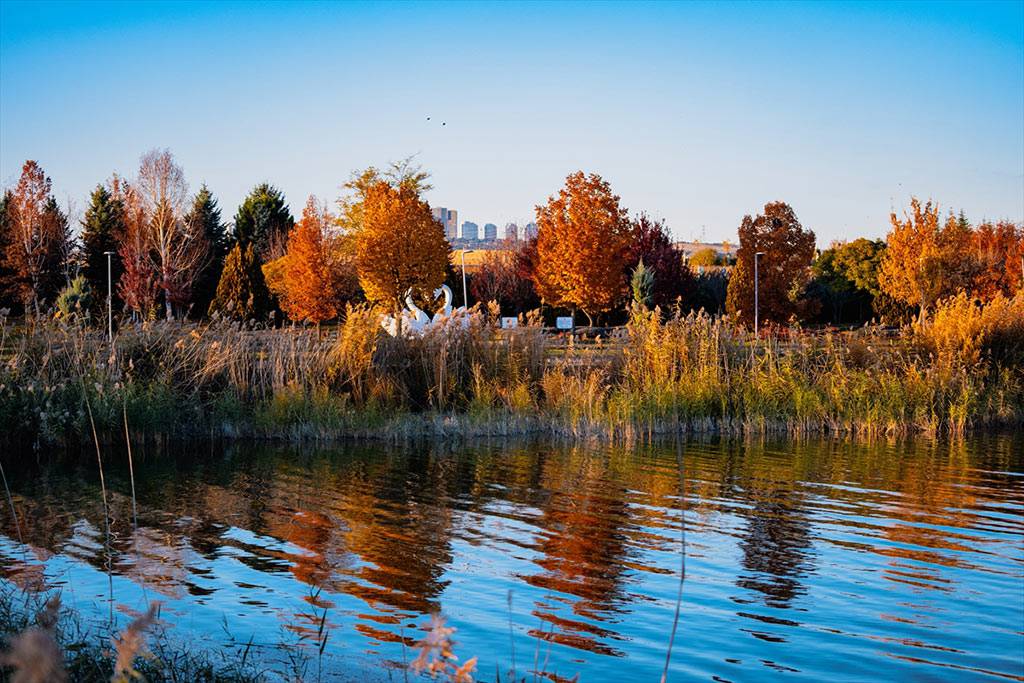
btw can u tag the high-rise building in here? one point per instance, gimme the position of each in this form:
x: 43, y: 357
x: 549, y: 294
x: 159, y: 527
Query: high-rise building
x: 511, y: 232
x: 490, y: 231
x: 529, y: 231
x: 449, y: 218
x: 470, y: 231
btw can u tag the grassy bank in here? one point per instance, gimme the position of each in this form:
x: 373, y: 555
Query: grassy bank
x: 961, y: 369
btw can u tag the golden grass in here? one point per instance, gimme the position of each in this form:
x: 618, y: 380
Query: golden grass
x: 685, y: 372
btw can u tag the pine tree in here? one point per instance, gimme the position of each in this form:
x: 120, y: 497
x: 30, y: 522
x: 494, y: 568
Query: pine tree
x: 205, y: 217
x: 264, y: 220
x: 8, y: 277
x: 242, y: 293
x: 102, y: 231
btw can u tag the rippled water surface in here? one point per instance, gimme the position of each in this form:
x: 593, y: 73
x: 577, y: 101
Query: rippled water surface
x: 822, y: 560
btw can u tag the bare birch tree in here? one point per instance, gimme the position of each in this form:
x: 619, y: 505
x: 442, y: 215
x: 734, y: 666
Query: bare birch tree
x: 177, y: 247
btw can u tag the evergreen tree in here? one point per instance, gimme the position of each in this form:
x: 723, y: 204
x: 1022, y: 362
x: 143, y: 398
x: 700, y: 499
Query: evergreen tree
x: 205, y: 217
x: 75, y: 300
x: 642, y: 284
x: 102, y: 231
x: 58, y: 264
x: 8, y: 276
x: 242, y: 292
x: 264, y: 220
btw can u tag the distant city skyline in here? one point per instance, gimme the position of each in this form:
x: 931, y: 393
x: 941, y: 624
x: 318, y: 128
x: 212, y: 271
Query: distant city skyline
x: 696, y: 113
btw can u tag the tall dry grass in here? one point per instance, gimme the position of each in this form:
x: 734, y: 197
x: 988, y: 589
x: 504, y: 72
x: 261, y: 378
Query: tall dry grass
x: 692, y: 371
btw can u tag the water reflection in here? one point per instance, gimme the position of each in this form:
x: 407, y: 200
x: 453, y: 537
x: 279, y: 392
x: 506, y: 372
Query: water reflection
x: 875, y: 553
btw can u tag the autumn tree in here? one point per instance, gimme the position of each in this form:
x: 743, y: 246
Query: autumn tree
x: 583, y: 244
x: 204, y: 218
x: 178, y: 248
x: 399, y: 175
x: 705, y: 257
x: 784, y: 268
x: 926, y: 259
x: 137, y: 287
x: 506, y: 276
x: 398, y: 244
x: 103, y: 230
x: 999, y: 250
x: 315, y: 274
x: 242, y: 293
x: 264, y: 221
x: 651, y: 244
x: 39, y: 239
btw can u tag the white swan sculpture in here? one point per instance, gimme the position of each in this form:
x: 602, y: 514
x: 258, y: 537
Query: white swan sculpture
x: 446, y: 308
x: 447, y: 315
x: 418, y: 319
x: 415, y: 321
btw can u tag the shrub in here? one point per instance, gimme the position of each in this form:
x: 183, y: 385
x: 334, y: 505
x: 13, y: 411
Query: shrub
x: 965, y: 330
x: 75, y: 300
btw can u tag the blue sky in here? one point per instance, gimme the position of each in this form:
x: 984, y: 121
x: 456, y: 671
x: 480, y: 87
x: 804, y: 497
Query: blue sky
x: 697, y: 113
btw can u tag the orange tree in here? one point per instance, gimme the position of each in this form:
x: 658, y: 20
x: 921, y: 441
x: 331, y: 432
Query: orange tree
x: 311, y: 281
x: 583, y: 239
x: 999, y: 248
x: 37, y: 240
x: 398, y: 244
x: 926, y: 259
x: 784, y: 268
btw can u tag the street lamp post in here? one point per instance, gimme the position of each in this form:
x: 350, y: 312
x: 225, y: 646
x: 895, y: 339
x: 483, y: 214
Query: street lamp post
x: 465, y: 296
x: 757, y: 258
x: 110, y: 300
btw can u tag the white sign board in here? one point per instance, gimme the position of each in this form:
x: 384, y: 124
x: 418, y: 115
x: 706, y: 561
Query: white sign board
x: 509, y: 323
x: 563, y: 322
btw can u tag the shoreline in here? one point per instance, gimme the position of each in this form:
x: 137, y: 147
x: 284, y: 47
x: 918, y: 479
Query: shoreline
x: 684, y: 374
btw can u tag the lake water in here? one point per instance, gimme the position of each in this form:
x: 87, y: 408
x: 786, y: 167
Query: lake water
x: 811, y: 559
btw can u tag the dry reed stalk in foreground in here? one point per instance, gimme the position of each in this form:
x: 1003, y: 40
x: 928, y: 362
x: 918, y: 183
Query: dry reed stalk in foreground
x: 436, y: 656
x: 131, y: 643
x: 34, y: 654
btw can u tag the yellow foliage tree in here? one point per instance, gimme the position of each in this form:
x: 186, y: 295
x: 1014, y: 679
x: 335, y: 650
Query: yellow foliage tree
x: 926, y: 260
x: 583, y: 236
x: 398, y: 244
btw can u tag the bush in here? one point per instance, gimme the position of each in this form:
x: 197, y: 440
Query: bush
x: 968, y: 331
x: 75, y: 300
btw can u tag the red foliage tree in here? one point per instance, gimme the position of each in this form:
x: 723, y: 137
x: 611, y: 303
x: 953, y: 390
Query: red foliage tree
x: 38, y: 241
x: 652, y: 244
x: 998, y: 248
x: 138, y: 286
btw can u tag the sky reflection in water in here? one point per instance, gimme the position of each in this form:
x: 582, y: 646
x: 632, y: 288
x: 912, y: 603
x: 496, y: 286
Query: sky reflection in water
x: 834, y: 560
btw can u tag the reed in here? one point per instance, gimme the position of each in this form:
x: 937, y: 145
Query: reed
x: 683, y: 372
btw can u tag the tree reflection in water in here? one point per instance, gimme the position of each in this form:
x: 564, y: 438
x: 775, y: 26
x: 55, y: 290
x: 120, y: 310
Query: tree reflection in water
x: 586, y: 538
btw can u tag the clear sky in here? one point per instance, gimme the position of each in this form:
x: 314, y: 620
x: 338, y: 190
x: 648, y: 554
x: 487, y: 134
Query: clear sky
x: 695, y: 113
